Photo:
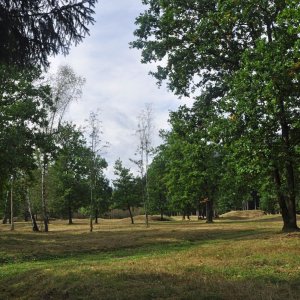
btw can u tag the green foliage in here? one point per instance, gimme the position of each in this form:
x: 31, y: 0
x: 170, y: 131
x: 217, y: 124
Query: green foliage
x: 158, y: 200
x: 31, y: 31
x: 70, y: 173
x: 242, y: 58
x: 127, y: 191
x: 22, y: 113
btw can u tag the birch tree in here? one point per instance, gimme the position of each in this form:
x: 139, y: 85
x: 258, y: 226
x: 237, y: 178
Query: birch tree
x: 144, y: 134
x: 94, y: 130
x: 66, y: 87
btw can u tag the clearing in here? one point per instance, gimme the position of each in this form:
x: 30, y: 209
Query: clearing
x: 229, y: 259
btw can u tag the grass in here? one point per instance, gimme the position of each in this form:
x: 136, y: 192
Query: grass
x: 229, y: 259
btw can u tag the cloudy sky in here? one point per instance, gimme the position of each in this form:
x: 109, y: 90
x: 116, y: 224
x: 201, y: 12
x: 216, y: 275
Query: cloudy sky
x: 116, y: 82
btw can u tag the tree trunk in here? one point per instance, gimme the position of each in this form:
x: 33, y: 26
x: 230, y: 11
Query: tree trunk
x: 44, y: 201
x: 12, y: 224
x: 209, y: 211
x: 289, y: 222
x: 161, y: 214
x: 289, y: 215
x: 70, y: 215
x: 34, y: 224
x: 26, y: 215
x: 91, y: 210
x: 96, y: 215
x: 6, y: 215
x: 130, y: 213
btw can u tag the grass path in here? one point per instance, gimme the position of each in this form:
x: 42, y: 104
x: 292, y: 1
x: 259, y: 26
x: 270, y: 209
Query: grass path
x: 248, y: 259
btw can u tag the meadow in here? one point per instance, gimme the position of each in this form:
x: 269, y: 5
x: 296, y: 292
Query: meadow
x: 233, y: 258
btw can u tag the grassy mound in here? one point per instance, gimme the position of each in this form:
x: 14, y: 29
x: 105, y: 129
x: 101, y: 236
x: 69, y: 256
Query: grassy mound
x: 243, y: 214
x: 141, y: 219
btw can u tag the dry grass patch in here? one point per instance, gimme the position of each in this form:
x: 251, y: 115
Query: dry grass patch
x: 243, y: 214
x: 170, y: 260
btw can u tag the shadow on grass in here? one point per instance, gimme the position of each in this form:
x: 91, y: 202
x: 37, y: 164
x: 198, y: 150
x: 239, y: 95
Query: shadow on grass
x: 152, y: 282
x: 18, y: 247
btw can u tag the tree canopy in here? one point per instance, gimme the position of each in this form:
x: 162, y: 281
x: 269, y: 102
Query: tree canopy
x: 243, y: 58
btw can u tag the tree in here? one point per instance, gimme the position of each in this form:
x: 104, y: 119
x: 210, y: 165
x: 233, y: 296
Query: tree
x: 70, y: 170
x: 66, y: 87
x: 193, y: 157
x: 248, y: 51
x: 22, y: 114
x: 96, y: 163
x: 158, y: 200
x: 31, y: 31
x: 144, y: 133
x: 126, y: 189
x: 103, y: 193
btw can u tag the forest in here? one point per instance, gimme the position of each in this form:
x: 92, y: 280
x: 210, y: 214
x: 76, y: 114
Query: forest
x: 236, y: 148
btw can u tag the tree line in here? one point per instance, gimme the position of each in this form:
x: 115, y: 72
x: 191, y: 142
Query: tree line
x: 239, y: 60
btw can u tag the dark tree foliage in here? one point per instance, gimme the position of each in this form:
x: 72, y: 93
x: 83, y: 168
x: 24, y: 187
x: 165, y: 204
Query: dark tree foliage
x: 21, y: 115
x: 32, y: 30
x: 245, y: 55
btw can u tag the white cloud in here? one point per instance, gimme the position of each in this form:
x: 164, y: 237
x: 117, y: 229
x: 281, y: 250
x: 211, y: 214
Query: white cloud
x: 116, y: 82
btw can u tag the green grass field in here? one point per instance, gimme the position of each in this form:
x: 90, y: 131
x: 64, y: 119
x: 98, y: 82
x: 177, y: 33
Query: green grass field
x: 229, y: 259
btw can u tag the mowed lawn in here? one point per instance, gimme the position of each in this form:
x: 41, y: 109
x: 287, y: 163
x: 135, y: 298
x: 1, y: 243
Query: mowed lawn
x: 229, y: 259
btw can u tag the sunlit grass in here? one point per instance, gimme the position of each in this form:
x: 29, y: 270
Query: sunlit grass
x: 247, y: 259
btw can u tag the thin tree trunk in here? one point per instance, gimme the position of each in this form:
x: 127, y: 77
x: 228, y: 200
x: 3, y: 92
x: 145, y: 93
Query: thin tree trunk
x: 96, y: 215
x: 130, y: 213
x: 44, y: 201
x: 70, y: 215
x: 91, y: 210
x: 33, y: 221
x: 209, y: 211
x: 25, y: 215
x: 147, y: 191
x: 6, y: 216
x: 12, y: 225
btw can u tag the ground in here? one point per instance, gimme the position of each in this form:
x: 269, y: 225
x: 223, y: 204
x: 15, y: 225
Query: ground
x: 229, y: 259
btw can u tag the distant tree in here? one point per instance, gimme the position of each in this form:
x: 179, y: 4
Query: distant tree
x: 70, y: 171
x: 96, y: 163
x: 103, y: 194
x: 158, y: 198
x: 144, y: 133
x: 31, y: 31
x: 126, y: 190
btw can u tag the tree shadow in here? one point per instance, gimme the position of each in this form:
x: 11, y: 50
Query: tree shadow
x: 153, y: 282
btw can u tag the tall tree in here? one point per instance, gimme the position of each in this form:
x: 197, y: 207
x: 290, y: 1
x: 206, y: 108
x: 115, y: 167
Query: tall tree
x: 158, y: 199
x: 250, y: 52
x: 70, y: 170
x: 66, y: 87
x: 95, y: 132
x: 145, y: 135
x: 22, y: 114
x: 103, y: 191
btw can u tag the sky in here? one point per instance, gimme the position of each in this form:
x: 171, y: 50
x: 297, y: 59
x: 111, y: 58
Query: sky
x: 117, y: 84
